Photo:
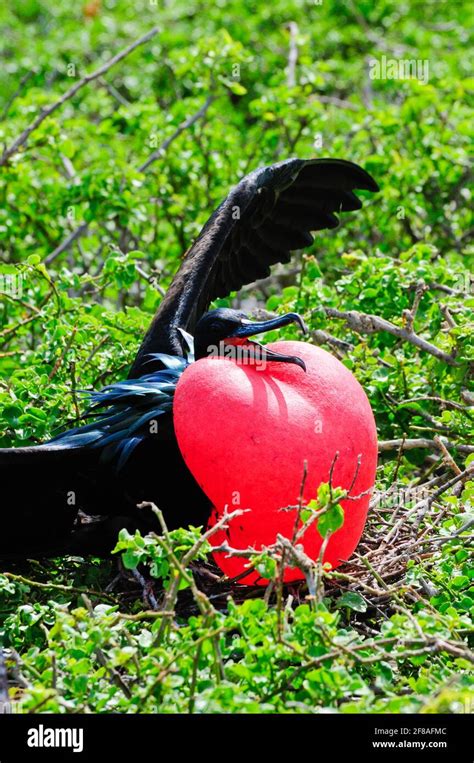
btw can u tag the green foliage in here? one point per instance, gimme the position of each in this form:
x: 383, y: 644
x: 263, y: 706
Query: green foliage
x: 136, y: 550
x: 250, y: 657
x: 73, y: 321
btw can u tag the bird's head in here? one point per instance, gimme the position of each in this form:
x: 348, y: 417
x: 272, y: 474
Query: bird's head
x: 226, y: 332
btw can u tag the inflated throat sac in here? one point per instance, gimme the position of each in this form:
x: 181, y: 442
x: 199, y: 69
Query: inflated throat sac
x: 252, y: 434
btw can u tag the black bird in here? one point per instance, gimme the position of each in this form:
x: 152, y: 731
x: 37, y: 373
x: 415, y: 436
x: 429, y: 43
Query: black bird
x: 74, y: 493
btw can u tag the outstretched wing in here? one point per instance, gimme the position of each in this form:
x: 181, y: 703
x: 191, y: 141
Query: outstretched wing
x: 269, y: 214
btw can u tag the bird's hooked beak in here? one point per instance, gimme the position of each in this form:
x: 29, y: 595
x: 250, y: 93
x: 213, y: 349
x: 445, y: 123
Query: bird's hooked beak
x: 262, y: 353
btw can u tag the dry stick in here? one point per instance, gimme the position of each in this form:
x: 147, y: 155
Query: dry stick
x: 48, y: 110
x: 447, y: 457
x: 286, y: 683
x: 12, y: 329
x: 103, y: 661
x: 447, y: 290
x: 114, y: 92
x: 146, y: 614
x: 322, y: 337
x: 10, y: 354
x: 60, y: 360
x: 66, y: 243
x: 17, y: 92
x: 18, y: 301
x: 158, y: 153
x: 152, y: 280
x: 58, y: 587
x: 425, y: 503
x: 356, y: 474
x: 72, y: 368
x: 302, y: 561
x: 331, y: 472
x: 365, y: 323
x: 176, y: 658
x: 451, y: 323
x: 435, y: 399
x: 292, y: 55
x: 281, y: 575
x: 341, y: 102
x: 4, y: 695
x: 399, y: 461
x: 410, y: 315
x: 388, y: 445
x: 201, y: 599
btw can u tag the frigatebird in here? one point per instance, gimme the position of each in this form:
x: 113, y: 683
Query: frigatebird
x: 73, y: 493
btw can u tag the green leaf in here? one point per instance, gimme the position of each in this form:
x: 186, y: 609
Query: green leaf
x: 331, y: 520
x: 352, y: 600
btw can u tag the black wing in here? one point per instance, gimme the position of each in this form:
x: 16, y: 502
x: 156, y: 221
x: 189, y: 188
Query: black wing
x: 269, y: 214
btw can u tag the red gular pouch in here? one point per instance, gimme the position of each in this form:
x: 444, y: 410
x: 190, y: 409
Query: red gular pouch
x: 245, y: 432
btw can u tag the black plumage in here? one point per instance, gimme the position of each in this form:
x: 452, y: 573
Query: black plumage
x: 73, y: 493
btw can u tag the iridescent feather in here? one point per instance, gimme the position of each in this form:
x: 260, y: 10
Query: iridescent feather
x: 124, y: 411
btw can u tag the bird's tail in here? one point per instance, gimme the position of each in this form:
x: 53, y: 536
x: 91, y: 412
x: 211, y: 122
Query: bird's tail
x: 40, y: 497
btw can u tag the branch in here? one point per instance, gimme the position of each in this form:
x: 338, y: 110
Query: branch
x: 58, y: 587
x: 17, y: 92
x: 76, y: 233
x: 158, y: 153
x: 435, y: 399
x: 48, y: 110
x: 341, y: 102
x: 422, y: 442
x: 4, y: 696
x: 364, y: 323
x: 410, y: 315
x: 292, y: 54
x: 322, y: 337
x: 421, y: 508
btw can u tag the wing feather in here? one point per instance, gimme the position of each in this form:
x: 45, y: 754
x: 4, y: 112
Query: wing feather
x: 269, y: 214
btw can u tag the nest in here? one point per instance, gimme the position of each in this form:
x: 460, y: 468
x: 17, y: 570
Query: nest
x: 403, y: 525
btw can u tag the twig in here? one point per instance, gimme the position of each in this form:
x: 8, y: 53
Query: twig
x: 147, y: 590
x: 152, y: 280
x: 58, y: 587
x: 410, y: 315
x: 450, y: 322
x: 4, y: 696
x: 147, y: 614
x: 113, y: 92
x: 76, y: 233
x: 300, y: 560
x: 341, y: 102
x: 103, y: 661
x: 423, y: 506
x: 12, y: 329
x: 158, y: 153
x: 60, y: 360
x: 365, y: 323
x: 356, y: 474
x: 435, y: 399
x: 322, y: 337
x: 447, y: 455
x: 72, y: 368
x: 387, y: 445
x: 17, y: 92
x: 48, y: 110
x: 292, y: 54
